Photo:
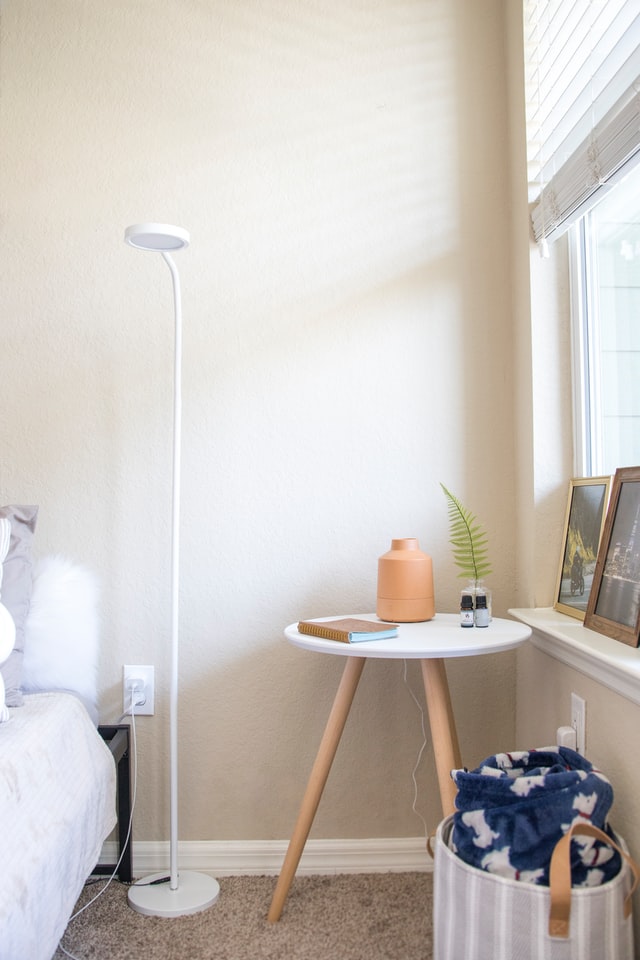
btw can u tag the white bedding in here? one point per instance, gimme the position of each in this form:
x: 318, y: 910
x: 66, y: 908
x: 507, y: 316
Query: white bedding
x: 57, y: 806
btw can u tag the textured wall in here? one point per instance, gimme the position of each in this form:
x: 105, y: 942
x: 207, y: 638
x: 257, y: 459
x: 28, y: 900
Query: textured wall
x: 348, y: 344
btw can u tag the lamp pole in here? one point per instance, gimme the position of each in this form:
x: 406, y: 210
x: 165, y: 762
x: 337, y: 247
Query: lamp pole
x: 175, y: 572
x: 184, y: 892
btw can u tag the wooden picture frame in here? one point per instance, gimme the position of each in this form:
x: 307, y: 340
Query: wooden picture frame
x: 583, y: 526
x: 614, y: 602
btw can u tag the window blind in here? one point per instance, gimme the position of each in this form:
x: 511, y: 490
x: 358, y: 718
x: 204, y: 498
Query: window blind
x: 582, y: 75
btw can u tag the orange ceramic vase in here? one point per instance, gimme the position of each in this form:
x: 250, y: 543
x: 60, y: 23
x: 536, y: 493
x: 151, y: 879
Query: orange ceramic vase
x: 405, y: 583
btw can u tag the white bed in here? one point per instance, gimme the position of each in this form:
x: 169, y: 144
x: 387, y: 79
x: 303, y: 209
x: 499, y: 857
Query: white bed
x: 57, y: 775
x: 57, y: 806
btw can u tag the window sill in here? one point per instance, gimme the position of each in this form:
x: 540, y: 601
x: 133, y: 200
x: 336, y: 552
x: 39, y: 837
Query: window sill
x: 608, y: 661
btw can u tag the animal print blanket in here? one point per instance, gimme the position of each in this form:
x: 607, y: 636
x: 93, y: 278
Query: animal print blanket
x: 514, y: 807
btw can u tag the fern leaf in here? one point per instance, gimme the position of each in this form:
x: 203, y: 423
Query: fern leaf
x: 468, y: 539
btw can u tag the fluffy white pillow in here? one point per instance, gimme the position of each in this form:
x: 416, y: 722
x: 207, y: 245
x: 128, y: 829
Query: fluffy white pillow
x: 62, y: 630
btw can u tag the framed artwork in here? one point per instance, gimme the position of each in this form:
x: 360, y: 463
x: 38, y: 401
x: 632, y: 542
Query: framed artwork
x: 614, y: 602
x: 583, y: 526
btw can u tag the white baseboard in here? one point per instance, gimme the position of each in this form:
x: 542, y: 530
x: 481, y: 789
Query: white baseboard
x: 229, y: 858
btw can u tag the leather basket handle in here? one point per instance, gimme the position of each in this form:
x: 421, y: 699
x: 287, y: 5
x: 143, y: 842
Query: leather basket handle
x: 560, y: 877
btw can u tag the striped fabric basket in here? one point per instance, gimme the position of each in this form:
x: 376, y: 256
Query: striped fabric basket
x: 482, y: 916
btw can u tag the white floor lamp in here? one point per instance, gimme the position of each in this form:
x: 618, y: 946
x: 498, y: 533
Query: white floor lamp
x: 185, y: 892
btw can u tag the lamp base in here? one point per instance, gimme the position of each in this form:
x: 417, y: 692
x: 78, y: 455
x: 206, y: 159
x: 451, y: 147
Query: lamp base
x: 196, y: 892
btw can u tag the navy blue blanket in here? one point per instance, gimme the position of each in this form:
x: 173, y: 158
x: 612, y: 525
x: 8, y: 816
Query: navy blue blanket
x: 514, y: 807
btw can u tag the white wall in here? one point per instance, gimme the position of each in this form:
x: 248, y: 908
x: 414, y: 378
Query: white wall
x: 348, y: 343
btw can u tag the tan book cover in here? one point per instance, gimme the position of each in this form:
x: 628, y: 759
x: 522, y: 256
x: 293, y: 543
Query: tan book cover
x: 348, y: 629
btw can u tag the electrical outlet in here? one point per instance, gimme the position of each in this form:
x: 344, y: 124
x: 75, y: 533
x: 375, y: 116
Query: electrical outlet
x: 144, y: 690
x: 579, y: 721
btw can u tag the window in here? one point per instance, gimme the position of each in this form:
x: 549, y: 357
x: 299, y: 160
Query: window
x: 606, y: 314
x: 582, y: 77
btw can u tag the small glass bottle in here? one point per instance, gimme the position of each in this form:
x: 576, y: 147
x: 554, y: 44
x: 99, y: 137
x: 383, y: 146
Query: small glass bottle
x: 482, y: 590
x: 466, y: 610
x: 481, y: 617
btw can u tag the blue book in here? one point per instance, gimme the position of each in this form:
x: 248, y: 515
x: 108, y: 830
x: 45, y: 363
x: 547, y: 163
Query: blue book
x: 348, y: 630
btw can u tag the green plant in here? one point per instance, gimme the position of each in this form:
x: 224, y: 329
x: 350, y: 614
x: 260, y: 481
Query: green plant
x: 468, y: 539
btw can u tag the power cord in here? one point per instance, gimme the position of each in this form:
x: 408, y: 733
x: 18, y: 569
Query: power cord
x: 129, y: 713
x: 420, y: 752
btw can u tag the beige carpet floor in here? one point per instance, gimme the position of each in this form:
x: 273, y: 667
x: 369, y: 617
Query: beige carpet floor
x: 344, y: 917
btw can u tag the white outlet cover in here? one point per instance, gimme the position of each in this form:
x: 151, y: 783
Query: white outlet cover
x: 147, y: 675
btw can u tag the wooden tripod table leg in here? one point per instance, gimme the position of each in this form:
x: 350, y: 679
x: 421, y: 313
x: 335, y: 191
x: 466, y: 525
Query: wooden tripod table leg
x: 317, y: 780
x: 443, y: 730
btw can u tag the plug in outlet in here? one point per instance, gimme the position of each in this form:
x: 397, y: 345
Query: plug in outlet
x: 138, y: 683
x: 579, y: 721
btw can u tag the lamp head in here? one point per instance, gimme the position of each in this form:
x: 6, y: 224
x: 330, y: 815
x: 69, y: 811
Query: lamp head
x: 157, y: 237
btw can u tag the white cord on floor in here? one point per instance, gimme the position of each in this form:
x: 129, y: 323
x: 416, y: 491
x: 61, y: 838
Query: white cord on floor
x: 129, y: 828
x: 420, y: 752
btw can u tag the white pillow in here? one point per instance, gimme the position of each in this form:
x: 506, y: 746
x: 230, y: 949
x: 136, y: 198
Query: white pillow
x: 17, y: 581
x: 5, y: 543
x: 62, y: 630
x: 7, y: 641
x: 7, y: 626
